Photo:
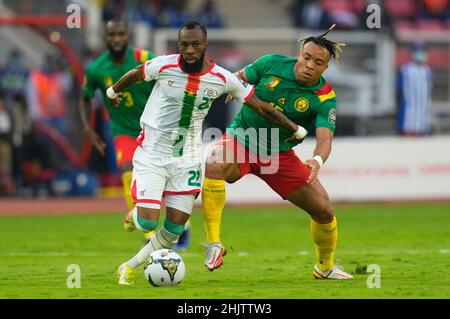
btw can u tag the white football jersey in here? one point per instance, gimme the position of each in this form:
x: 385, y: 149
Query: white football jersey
x: 173, y: 116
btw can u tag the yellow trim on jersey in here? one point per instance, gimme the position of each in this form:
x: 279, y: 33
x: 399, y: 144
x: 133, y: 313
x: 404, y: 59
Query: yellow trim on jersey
x: 144, y: 56
x: 328, y: 96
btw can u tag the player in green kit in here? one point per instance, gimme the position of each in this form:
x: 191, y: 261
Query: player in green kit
x: 125, y: 126
x: 296, y: 87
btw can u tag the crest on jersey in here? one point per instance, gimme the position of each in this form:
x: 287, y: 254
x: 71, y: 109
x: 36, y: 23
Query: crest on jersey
x: 301, y: 104
x: 210, y: 92
x: 282, y: 100
x: 273, y: 83
x: 108, y: 81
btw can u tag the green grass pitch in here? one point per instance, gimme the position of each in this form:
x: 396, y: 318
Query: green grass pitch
x: 270, y: 255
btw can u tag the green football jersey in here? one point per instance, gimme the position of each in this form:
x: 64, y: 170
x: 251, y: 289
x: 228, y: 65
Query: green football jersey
x: 274, y: 81
x: 102, y: 73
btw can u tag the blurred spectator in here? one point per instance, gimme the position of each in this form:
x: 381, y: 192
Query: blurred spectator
x: 113, y: 9
x: 414, y: 94
x: 172, y: 14
x: 309, y: 14
x: 45, y: 93
x: 13, y: 76
x: 148, y: 11
x: 46, y: 99
x: 209, y: 15
x: 435, y: 9
x: 6, y: 185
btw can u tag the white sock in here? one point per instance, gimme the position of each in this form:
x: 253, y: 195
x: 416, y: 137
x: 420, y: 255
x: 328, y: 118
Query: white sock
x: 161, y: 239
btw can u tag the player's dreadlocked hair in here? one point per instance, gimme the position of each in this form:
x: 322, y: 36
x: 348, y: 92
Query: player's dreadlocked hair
x: 334, y: 48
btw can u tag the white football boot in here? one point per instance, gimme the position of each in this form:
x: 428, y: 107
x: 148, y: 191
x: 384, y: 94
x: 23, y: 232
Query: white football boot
x: 334, y: 273
x: 214, y: 255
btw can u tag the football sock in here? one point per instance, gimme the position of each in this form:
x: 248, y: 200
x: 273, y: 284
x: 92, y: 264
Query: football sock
x: 127, y: 177
x: 325, y: 239
x: 163, y: 238
x: 213, y: 202
x: 143, y: 224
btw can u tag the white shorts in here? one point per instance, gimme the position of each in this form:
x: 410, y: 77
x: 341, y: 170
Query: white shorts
x: 176, y: 179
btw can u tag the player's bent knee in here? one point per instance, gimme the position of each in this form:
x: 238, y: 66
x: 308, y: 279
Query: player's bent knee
x: 144, y: 224
x: 324, y: 215
x: 214, y: 170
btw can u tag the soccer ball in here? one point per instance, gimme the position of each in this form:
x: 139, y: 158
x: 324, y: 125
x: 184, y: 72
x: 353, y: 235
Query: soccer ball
x: 164, y: 267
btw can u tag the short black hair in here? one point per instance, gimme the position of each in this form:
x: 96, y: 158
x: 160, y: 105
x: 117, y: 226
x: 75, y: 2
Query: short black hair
x: 192, y: 25
x: 334, y: 48
x: 117, y: 21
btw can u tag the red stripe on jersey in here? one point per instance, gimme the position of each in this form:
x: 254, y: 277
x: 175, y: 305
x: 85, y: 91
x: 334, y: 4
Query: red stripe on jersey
x: 193, y: 84
x: 140, y: 138
x: 143, y: 70
x: 133, y: 192
x: 137, y: 54
x: 167, y: 66
x: 250, y: 94
x: 324, y: 90
x: 220, y: 75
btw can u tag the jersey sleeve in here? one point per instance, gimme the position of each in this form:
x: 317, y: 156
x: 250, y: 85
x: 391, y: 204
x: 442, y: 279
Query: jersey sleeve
x: 89, y: 83
x: 255, y: 71
x: 150, y: 69
x: 326, y: 115
x: 238, y: 89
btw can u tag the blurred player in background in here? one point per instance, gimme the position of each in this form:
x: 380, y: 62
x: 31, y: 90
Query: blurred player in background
x: 124, y: 119
x: 168, y: 160
x: 414, y: 94
x: 296, y: 88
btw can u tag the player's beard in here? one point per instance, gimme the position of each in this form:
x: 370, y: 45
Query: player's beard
x: 117, y: 53
x: 195, y: 67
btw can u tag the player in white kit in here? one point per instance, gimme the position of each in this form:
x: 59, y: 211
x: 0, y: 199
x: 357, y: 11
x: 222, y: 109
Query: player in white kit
x: 168, y: 160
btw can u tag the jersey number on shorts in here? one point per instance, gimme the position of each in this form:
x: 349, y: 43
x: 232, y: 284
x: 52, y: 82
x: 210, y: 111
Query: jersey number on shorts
x: 194, y: 179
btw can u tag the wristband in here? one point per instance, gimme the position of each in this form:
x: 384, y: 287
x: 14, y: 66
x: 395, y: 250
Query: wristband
x: 319, y: 160
x: 110, y: 93
x: 301, y: 133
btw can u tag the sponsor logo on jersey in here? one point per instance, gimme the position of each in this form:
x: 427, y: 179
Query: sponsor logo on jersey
x: 301, y: 104
x: 273, y: 83
x: 170, y: 82
x: 332, y: 117
x: 108, y: 81
x: 210, y: 92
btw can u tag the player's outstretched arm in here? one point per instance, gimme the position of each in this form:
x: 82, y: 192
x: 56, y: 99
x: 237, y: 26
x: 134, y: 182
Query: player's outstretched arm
x: 128, y: 79
x: 265, y: 110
